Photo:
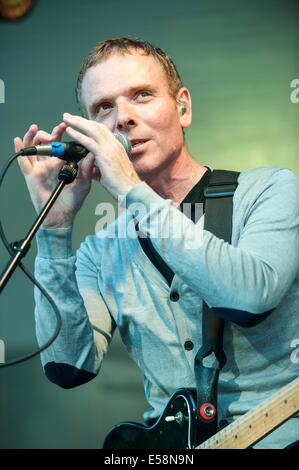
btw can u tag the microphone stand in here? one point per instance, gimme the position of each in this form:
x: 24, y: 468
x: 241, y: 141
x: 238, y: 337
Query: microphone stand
x: 66, y: 175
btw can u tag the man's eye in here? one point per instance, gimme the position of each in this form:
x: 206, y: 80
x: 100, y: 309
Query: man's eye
x: 103, y: 108
x: 144, y: 94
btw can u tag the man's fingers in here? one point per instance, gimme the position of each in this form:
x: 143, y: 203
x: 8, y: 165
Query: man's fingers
x: 24, y: 162
x: 28, y: 137
x: 88, y: 170
x: 58, y: 131
x: 96, y: 174
x: 87, y: 142
x: 86, y: 166
x: 89, y: 128
x: 35, y: 137
x: 18, y: 144
x: 42, y: 137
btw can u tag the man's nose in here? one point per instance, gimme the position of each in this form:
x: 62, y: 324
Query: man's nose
x: 126, y: 117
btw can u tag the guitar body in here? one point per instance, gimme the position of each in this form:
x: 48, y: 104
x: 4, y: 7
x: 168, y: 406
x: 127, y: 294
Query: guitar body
x: 179, y: 433
x: 179, y: 427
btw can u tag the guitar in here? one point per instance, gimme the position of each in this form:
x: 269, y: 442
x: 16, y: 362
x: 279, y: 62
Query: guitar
x: 179, y: 428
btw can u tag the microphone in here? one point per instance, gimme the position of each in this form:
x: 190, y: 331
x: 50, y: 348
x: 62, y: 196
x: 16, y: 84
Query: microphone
x: 71, y: 151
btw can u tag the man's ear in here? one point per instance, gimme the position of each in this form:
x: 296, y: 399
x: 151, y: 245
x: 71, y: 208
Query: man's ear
x: 184, y: 107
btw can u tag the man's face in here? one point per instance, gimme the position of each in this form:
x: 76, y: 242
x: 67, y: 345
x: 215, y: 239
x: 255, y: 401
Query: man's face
x: 130, y: 93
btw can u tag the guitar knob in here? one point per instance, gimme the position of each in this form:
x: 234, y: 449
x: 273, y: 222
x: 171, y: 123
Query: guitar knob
x: 169, y: 418
x: 179, y: 418
x: 207, y: 411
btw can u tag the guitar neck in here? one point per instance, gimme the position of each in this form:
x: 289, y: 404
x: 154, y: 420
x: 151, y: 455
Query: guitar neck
x: 258, y: 422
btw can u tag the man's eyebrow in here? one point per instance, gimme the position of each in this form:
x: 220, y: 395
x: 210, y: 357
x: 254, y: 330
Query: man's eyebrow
x: 130, y: 91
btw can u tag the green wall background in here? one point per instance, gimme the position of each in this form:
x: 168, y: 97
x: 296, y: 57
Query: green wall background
x: 237, y: 57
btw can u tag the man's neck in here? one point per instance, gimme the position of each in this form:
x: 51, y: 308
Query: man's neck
x: 176, y: 182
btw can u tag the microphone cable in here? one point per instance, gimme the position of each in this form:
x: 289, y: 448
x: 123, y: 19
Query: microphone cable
x: 10, y: 250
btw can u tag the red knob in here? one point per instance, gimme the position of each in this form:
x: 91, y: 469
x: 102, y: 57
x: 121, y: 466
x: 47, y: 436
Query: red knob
x: 207, y: 411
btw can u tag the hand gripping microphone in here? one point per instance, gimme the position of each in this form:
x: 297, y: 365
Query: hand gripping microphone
x: 70, y: 151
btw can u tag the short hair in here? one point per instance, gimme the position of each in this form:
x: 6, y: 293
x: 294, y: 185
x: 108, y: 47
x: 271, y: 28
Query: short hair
x: 125, y: 45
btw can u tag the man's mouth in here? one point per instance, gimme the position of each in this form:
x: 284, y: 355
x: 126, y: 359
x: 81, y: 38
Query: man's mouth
x: 138, y: 146
x: 136, y: 142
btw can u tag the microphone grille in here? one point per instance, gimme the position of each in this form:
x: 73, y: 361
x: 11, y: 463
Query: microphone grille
x: 122, y: 138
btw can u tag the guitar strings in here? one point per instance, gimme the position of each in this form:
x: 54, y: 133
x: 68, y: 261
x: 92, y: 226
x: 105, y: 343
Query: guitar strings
x: 225, y: 435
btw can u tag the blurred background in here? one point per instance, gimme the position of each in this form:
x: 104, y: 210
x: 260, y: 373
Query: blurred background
x: 238, y: 59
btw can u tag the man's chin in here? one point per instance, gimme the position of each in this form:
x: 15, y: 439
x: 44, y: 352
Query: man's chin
x: 145, y: 172
x: 146, y: 167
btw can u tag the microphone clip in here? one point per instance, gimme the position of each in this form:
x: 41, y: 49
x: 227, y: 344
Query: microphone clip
x: 68, y: 172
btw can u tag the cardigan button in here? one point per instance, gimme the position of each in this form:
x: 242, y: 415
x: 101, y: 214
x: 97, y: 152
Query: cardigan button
x: 188, y: 345
x: 174, y: 296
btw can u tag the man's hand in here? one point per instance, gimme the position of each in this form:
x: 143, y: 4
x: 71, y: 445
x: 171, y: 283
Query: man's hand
x: 41, y: 177
x: 118, y: 175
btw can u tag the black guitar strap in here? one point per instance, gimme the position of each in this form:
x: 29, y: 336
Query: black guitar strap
x: 210, y: 358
